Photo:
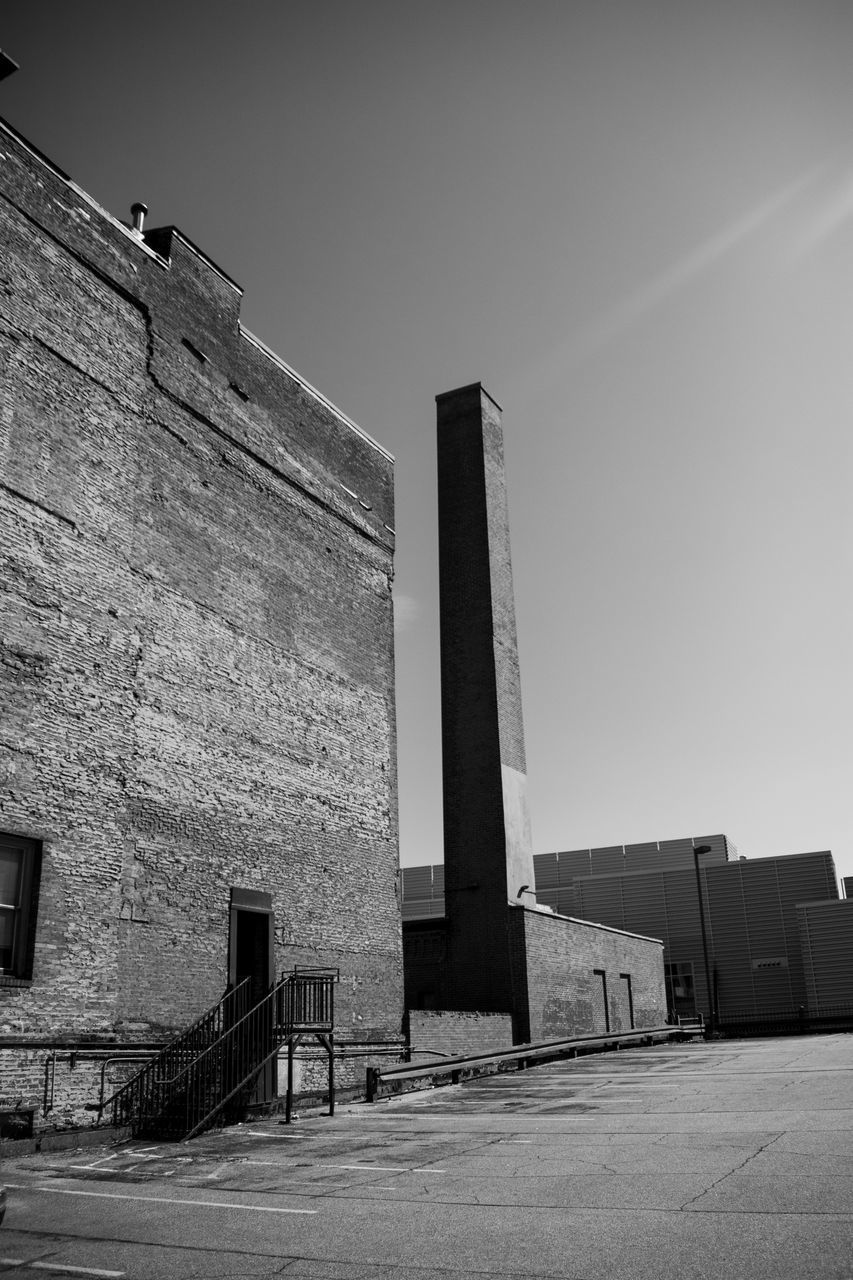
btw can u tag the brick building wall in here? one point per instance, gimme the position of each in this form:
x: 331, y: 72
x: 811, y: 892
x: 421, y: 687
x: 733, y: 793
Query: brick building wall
x: 441, y: 1031
x: 572, y: 977
x: 564, y: 975
x: 196, y: 655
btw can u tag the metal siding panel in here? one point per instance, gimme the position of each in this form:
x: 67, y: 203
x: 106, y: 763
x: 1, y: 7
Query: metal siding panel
x: 600, y: 901
x: 417, y: 882
x: 572, y: 863
x: 719, y: 849
x: 545, y: 870
x: 642, y: 857
x: 644, y: 905
x: 826, y: 934
x: 676, y: 853
x: 682, y: 908
x: 567, y: 902
x: 730, y: 940
x: 608, y: 860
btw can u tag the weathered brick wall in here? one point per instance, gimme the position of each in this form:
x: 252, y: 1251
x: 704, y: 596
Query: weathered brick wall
x: 58, y: 1086
x: 196, y: 655
x: 454, y: 1033
x: 555, y: 961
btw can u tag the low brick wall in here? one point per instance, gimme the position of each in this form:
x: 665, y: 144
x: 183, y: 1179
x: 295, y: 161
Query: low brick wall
x: 583, y: 978
x: 60, y: 1087
x: 452, y: 1033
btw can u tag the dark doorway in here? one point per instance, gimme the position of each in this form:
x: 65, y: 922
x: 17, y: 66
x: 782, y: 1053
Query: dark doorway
x: 252, y: 938
x: 250, y: 955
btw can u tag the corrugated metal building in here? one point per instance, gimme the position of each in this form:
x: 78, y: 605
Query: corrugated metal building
x: 779, y: 937
x: 826, y: 944
x: 423, y: 892
x: 751, y: 915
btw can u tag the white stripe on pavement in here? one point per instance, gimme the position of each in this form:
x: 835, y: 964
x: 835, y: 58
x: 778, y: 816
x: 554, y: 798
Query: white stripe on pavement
x: 59, y: 1266
x: 379, y: 1168
x: 117, y: 1195
x: 256, y: 1134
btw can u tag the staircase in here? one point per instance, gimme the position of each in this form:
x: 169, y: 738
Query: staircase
x: 205, y: 1075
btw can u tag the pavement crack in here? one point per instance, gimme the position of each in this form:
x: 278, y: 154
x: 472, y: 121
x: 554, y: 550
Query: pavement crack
x: 737, y: 1169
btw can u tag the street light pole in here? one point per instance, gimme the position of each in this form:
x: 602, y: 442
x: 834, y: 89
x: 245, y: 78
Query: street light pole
x: 697, y: 850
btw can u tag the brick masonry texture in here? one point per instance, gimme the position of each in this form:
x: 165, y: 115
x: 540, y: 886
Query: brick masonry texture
x: 454, y: 1034
x: 554, y: 990
x: 196, y: 654
x: 555, y: 961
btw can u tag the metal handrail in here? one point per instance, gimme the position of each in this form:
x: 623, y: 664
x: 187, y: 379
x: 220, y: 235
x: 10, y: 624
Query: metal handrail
x: 522, y: 1054
x: 136, y: 1101
x: 300, y: 1001
x: 192, y: 1082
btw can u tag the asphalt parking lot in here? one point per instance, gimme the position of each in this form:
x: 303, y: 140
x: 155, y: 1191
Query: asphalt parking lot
x: 728, y: 1159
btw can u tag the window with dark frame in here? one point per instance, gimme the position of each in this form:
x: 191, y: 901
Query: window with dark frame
x: 20, y: 860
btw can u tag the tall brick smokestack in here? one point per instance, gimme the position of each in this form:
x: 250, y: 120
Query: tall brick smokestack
x: 487, y: 844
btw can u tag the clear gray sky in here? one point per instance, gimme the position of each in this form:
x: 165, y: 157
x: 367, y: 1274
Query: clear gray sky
x: 632, y: 220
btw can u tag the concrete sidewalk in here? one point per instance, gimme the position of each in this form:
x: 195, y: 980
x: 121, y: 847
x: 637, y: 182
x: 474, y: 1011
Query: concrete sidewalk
x: 727, y: 1159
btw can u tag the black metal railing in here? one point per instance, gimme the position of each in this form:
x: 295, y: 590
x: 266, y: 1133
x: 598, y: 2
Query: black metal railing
x: 308, y: 1000
x: 138, y: 1101
x: 226, y: 1070
x: 211, y: 1069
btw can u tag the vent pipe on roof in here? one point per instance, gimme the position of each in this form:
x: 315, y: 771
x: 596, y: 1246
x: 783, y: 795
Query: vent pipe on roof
x: 137, y: 213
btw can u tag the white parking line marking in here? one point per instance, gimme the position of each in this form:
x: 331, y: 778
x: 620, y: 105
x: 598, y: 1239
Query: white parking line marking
x: 59, y: 1266
x: 256, y: 1134
x: 95, y: 1163
x: 379, y: 1168
x: 117, y: 1195
x: 676, y: 1074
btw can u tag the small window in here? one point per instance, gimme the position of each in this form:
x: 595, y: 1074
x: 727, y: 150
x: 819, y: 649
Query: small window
x: 680, y: 987
x: 19, y: 873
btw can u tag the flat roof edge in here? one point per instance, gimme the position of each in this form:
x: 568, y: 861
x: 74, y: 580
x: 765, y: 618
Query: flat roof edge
x: 49, y: 164
x: 140, y: 244
x: 318, y: 395
x: 204, y: 257
x: 589, y: 924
